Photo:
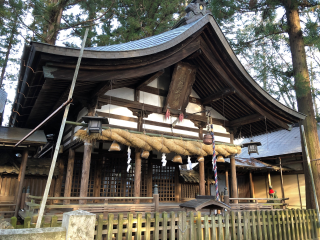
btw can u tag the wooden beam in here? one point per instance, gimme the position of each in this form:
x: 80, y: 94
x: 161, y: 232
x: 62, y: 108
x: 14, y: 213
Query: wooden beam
x: 202, y: 180
x: 154, y: 109
x: 58, y: 183
x: 217, y: 96
x: 137, y: 175
x: 150, y: 79
x: 21, y: 175
x: 234, y: 185
x: 68, y: 183
x: 246, y: 120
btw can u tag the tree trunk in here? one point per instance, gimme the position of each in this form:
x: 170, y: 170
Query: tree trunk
x: 54, y: 25
x: 304, y: 100
x: 5, y: 63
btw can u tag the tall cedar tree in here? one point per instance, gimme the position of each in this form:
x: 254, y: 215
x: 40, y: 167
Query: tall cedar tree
x: 140, y: 19
x: 263, y: 30
x: 9, y: 31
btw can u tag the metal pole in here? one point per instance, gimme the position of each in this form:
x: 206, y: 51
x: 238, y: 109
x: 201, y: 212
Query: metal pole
x: 56, y: 150
x: 310, y: 171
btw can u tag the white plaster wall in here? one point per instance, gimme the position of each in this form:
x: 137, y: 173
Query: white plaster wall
x: 124, y: 93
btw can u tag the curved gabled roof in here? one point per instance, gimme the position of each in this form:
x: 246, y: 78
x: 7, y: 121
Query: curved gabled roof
x: 129, y: 63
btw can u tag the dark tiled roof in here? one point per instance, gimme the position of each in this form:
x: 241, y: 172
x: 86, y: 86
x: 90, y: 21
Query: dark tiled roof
x: 274, y: 144
x: 191, y: 176
x: 39, y: 166
x: 150, y: 42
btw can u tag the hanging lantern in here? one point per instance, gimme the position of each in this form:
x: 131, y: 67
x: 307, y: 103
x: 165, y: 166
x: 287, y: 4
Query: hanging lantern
x: 207, y: 139
x: 95, y: 123
x: 252, y: 147
x: 177, y: 158
x: 145, y: 154
x: 220, y: 159
x: 115, y: 147
x: 200, y: 159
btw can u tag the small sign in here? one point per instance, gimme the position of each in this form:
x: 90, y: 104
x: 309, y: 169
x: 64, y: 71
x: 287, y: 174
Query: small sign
x: 3, y: 99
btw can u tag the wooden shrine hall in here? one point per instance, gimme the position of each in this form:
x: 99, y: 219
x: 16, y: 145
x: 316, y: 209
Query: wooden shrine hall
x: 157, y: 94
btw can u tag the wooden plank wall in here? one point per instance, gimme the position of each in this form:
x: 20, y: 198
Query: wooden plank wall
x: 8, y: 184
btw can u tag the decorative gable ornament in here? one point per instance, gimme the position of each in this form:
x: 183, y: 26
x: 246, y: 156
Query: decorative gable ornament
x: 252, y: 147
x: 195, y: 10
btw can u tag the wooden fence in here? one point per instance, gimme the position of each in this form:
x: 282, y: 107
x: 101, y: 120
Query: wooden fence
x: 241, y: 225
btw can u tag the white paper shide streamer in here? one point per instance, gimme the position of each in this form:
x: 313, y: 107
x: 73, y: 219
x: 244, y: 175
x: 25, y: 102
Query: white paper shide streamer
x: 189, y: 163
x: 163, y: 160
x: 129, y: 159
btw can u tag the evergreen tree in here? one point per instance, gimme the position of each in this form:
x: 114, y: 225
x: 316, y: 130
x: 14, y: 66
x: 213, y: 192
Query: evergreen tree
x: 140, y: 19
x: 275, y: 25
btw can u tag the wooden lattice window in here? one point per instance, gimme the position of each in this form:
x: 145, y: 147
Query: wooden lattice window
x: 164, y: 177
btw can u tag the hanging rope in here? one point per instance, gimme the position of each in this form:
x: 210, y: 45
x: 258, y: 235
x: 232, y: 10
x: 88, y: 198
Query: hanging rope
x: 214, y: 164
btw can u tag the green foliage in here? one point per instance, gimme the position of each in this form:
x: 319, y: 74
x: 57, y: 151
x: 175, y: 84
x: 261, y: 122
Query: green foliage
x: 257, y: 30
x: 140, y: 19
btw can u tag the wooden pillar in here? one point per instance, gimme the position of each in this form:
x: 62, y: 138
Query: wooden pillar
x: 234, y: 185
x: 69, y: 176
x: 251, y: 185
x: 177, y: 184
x: 269, y: 181
x: 208, y: 183
x: 22, y: 173
x: 58, y: 183
x: 281, y: 182
x: 85, y: 171
x: 97, y: 180
x: 137, y: 175
x: 149, y: 177
x: 227, y: 179
x: 91, y: 106
x: 202, y: 181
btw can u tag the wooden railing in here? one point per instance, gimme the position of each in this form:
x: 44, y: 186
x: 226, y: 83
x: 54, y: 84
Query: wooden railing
x: 7, y: 205
x: 241, y: 225
x: 255, y: 203
x: 98, y: 207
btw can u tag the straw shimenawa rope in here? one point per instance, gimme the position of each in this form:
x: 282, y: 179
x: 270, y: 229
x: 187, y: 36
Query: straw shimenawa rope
x: 160, y: 144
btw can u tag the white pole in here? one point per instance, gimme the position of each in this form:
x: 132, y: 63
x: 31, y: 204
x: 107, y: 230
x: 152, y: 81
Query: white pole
x: 310, y: 172
x: 56, y: 150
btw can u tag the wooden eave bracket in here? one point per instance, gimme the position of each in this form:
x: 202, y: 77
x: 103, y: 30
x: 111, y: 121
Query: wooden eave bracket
x: 219, y: 95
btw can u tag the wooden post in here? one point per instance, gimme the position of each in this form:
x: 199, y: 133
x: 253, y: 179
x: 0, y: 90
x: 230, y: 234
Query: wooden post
x: 85, y: 171
x: 208, y: 183
x: 137, y: 175
x: 177, y: 184
x: 97, y: 180
x: 202, y: 181
x: 149, y: 177
x: 91, y: 106
x: 299, y: 191
x: 68, y: 183
x: 227, y: 180
x: 156, y: 202
x: 234, y: 188
x: 281, y: 182
x: 251, y: 185
x: 58, y: 183
x: 269, y: 180
x: 22, y: 173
